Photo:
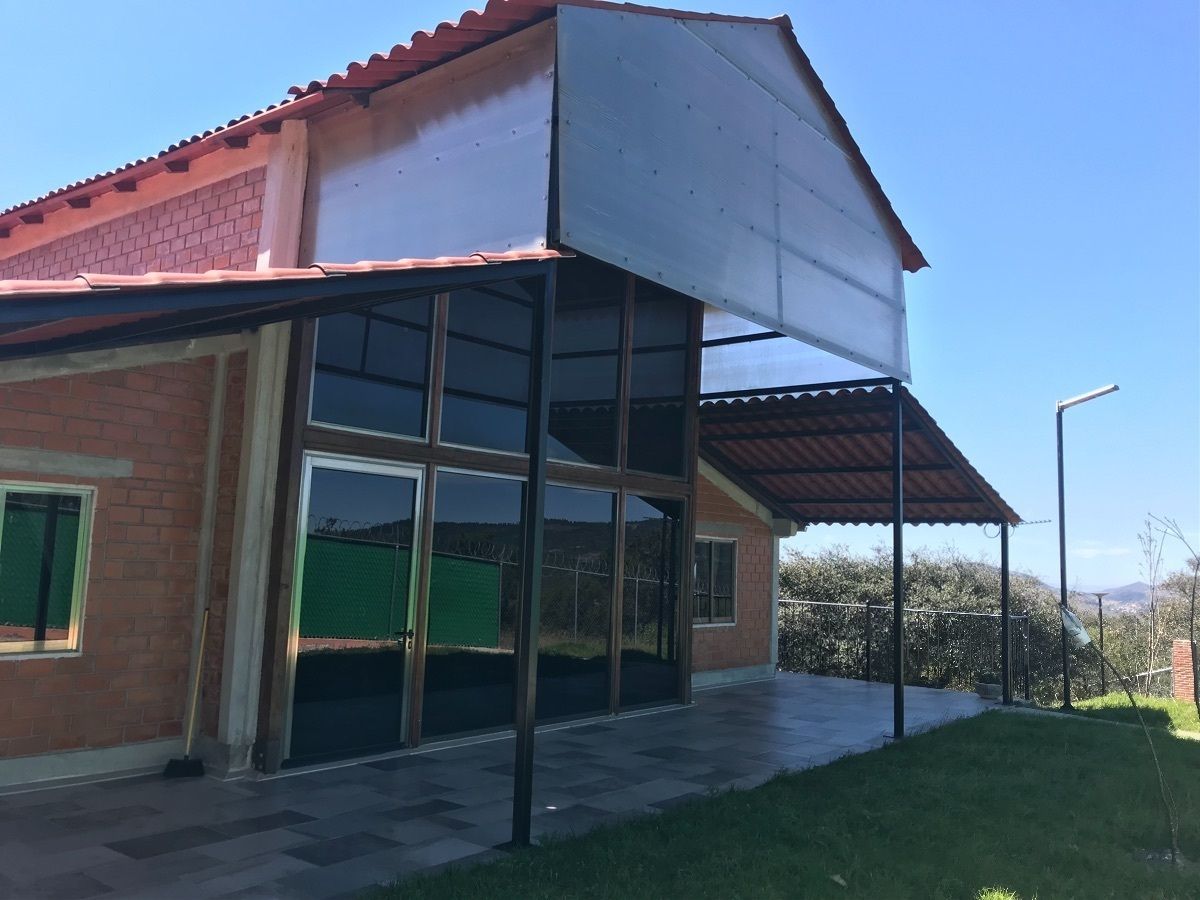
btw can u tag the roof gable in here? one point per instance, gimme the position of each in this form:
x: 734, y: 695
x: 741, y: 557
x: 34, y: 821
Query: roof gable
x: 425, y: 50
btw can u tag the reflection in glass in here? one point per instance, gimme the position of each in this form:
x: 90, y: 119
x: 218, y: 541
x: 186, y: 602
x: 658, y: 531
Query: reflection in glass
x: 475, y: 586
x: 649, y: 643
x: 587, y: 341
x: 38, y: 555
x: 576, y: 603
x: 488, y: 336
x: 658, y: 380
x: 372, y: 367
x: 712, y: 587
x: 354, y: 609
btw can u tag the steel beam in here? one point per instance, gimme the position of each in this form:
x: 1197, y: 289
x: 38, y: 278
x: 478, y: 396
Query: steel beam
x: 897, y: 561
x: 1005, y: 635
x: 529, y: 614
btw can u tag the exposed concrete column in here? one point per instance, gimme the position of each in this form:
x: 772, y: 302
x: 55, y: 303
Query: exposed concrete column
x: 780, y: 529
x: 279, y: 244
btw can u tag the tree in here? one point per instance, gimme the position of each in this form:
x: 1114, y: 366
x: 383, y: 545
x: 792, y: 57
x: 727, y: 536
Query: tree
x: 1151, y: 566
x: 1171, y: 527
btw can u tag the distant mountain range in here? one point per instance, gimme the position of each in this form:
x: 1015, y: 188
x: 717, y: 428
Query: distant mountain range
x: 1127, y: 598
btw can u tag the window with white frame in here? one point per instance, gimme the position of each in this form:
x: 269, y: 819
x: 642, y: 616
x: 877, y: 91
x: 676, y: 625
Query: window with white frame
x: 44, y: 539
x: 713, y: 586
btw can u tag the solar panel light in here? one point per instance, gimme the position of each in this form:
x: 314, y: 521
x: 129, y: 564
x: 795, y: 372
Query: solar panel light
x: 1084, y: 398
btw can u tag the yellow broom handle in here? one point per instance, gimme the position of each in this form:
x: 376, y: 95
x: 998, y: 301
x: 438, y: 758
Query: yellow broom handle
x: 191, y: 719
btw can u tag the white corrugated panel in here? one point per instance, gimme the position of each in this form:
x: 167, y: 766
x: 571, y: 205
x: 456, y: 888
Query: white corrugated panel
x: 453, y: 161
x: 694, y: 154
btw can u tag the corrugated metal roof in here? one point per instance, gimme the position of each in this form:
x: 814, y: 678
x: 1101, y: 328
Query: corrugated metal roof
x: 825, y: 458
x: 425, y: 50
x: 106, y: 309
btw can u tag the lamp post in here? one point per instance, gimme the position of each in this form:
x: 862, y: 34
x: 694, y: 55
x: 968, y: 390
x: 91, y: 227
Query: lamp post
x: 1100, y: 595
x: 1060, y: 406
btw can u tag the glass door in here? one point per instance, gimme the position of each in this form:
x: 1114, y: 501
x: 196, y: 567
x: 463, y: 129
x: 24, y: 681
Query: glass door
x: 352, y: 619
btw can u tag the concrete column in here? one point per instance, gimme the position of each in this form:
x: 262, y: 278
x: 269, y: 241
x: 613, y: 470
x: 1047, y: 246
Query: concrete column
x: 279, y: 243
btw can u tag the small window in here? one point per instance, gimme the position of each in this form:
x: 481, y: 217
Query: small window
x: 712, y: 593
x: 44, y: 534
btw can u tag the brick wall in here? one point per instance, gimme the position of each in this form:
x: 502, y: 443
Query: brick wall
x: 128, y: 684
x: 748, y: 641
x: 1181, y: 669
x: 212, y: 227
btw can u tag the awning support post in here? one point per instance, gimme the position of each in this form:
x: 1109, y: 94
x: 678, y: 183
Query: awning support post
x: 1005, y: 632
x: 533, y: 528
x: 897, y: 561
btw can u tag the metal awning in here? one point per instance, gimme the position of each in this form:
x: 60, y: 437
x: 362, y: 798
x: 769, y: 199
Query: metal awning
x: 826, y: 458
x: 94, y: 312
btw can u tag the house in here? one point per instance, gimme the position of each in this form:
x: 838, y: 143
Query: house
x: 472, y: 387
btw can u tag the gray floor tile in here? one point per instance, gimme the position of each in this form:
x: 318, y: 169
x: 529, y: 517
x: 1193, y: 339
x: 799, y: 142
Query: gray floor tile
x: 328, y: 833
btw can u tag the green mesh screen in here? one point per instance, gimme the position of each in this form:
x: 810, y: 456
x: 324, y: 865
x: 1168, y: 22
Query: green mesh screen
x: 21, y: 565
x: 464, y: 602
x: 359, y: 591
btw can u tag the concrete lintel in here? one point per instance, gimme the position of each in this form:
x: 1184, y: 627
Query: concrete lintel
x: 62, y: 462
x: 783, y: 528
x: 84, y: 361
x: 740, y: 497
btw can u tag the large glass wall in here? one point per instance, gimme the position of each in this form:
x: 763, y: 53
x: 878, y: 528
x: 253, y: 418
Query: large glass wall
x: 577, y: 587
x: 486, y: 395
x: 354, y: 611
x: 658, y: 381
x: 586, y: 367
x: 474, y: 591
x: 372, y: 368
x: 649, y: 639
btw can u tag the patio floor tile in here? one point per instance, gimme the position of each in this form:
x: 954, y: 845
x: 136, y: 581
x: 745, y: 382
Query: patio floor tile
x: 332, y: 832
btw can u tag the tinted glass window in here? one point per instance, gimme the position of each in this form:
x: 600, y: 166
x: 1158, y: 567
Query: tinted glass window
x: 585, y: 373
x: 657, y: 380
x: 354, y: 612
x: 372, y: 368
x: 649, y: 642
x: 714, y: 581
x: 475, y: 586
x: 577, y: 589
x: 486, y: 395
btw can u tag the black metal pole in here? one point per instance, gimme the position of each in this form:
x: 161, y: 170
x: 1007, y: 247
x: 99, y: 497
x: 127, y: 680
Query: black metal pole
x: 1005, y: 635
x: 1103, y: 674
x: 1062, y: 563
x: 867, y: 612
x: 49, y: 538
x: 529, y: 613
x: 897, y: 561
x: 1025, y: 661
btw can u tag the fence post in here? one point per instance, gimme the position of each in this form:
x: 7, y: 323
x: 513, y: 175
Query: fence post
x: 867, y: 612
x: 1028, y: 689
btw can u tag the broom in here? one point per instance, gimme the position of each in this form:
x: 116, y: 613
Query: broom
x: 188, y: 767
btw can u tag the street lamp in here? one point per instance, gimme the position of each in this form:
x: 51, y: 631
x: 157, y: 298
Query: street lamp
x: 1062, y: 526
x: 1100, y: 595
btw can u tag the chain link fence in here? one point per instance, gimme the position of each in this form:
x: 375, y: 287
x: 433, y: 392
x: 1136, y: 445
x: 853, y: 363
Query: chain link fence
x: 942, y: 648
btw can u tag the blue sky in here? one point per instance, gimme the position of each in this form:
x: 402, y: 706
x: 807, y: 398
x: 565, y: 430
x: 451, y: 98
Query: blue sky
x: 1046, y: 157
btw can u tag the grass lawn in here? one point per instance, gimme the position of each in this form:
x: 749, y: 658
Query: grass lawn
x: 1000, y: 806
x: 1177, y: 715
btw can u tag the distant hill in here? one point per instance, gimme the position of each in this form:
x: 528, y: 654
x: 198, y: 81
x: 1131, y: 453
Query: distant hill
x: 1127, y: 598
